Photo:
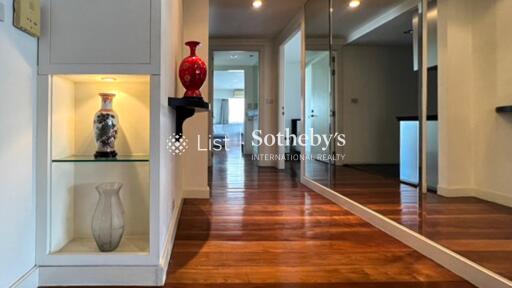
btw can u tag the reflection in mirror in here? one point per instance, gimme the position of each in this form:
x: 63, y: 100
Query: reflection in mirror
x: 468, y: 205
x: 318, y: 91
x: 377, y: 107
x: 471, y: 213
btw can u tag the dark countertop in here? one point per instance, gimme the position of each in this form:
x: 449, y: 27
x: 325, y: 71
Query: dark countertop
x: 415, y: 118
x: 504, y: 109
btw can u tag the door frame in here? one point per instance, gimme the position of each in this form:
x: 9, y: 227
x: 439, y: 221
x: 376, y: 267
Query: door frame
x: 247, y: 45
x: 281, y: 103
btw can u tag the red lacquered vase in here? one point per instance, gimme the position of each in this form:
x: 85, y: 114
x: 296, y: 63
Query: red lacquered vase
x: 193, y: 72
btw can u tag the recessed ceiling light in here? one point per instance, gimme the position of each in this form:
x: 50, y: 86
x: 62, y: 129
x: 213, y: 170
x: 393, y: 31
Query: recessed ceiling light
x: 354, y: 3
x: 257, y: 4
x: 234, y: 56
x: 108, y: 79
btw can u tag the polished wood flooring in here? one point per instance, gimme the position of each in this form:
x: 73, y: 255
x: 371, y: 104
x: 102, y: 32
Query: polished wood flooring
x: 262, y: 228
x: 476, y: 229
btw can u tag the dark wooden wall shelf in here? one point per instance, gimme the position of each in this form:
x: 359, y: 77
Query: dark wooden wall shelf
x: 504, y: 109
x: 186, y: 108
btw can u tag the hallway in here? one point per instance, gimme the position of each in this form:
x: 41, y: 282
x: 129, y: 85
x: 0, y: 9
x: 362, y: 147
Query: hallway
x: 262, y: 228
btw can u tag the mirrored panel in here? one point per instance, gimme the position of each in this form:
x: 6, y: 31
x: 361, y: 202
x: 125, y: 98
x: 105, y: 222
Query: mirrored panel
x: 471, y: 211
x: 377, y: 107
x: 375, y: 90
x: 318, y: 96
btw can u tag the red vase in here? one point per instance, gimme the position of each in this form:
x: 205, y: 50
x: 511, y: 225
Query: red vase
x: 193, y: 72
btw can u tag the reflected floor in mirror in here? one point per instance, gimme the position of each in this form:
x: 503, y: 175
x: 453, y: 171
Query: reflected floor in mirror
x: 476, y: 229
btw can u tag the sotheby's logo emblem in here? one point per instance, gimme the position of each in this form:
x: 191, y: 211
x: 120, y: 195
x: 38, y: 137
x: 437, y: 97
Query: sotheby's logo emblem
x: 177, y: 145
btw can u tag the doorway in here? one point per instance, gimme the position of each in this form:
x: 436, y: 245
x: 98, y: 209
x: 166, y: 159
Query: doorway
x: 290, y: 114
x: 235, y: 102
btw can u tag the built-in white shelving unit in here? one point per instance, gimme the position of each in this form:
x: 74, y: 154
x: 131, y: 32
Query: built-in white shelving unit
x: 86, y: 48
x: 71, y: 172
x: 75, y: 172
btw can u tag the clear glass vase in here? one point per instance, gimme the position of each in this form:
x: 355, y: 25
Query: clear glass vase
x: 108, y: 218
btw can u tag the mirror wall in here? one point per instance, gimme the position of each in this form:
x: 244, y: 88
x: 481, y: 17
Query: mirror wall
x: 318, y: 88
x: 375, y: 103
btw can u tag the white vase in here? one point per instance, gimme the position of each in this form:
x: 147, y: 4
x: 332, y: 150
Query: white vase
x: 105, y: 128
x: 108, y: 219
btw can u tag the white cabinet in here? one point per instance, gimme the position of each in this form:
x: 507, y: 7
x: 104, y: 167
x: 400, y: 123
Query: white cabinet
x: 100, y: 36
x: 88, y: 47
x: 409, y: 148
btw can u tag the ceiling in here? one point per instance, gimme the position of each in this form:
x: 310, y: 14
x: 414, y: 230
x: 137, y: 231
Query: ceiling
x: 345, y: 19
x: 229, y: 65
x: 235, y: 58
x: 237, y: 18
x: 391, y: 32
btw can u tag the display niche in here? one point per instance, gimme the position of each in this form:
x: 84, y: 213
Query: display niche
x: 100, y: 169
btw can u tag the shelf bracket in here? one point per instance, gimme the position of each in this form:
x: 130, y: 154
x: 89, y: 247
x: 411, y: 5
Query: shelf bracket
x: 182, y: 114
x: 186, y: 108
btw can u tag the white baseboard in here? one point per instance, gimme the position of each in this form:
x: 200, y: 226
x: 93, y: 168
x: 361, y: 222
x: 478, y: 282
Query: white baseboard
x: 28, y: 280
x: 456, y: 191
x: 196, y: 193
x: 494, y: 196
x: 472, y: 272
x: 488, y: 195
x: 169, y: 243
x: 100, y: 276
x: 267, y: 163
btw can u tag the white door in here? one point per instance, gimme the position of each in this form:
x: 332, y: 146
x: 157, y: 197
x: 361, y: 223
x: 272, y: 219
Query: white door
x: 318, y: 103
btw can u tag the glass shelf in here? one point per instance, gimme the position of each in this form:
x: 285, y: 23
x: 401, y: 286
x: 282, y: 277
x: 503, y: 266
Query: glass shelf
x: 91, y: 159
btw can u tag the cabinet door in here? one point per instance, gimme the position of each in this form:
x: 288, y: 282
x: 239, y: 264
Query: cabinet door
x: 99, y: 32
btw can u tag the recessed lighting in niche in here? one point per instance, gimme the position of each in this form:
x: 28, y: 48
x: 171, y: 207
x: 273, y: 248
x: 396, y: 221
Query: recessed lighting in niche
x: 108, y: 79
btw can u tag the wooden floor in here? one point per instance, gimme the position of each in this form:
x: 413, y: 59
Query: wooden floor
x: 476, y: 229
x: 263, y: 229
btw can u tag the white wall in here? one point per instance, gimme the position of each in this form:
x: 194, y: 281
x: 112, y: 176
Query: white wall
x: 251, y: 103
x: 492, y: 78
x: 475, y: 68
x: 382, y: 81
x: 194, y: 162
x: 454, y: 99
x: 170, y: 167
x: 17, y: 199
